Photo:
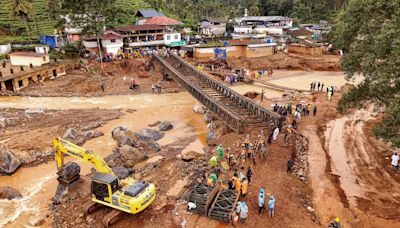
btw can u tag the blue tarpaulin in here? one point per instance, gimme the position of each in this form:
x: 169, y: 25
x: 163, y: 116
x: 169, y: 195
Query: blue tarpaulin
x: 220, y: 54
x: 49, y: 40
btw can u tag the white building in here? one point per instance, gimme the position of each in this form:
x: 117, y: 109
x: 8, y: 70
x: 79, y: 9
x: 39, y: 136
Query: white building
x: 172, y: 37
x: 111, y: 43
x: 27, y: 58
x: 212, y: 27
x: 261, y: 25
x: 5, y: 48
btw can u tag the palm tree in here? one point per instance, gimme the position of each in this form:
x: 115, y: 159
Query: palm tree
x: 22, y: 9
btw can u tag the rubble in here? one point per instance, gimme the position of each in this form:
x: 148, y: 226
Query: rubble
x: 300, y: 161
x: 7, y: 192
x: 165, y: 126
x: 79, y: 138
x: 3, y: 122
x: 9, y: 163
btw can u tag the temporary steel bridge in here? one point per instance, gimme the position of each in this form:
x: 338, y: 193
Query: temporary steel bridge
x: 240, y: 113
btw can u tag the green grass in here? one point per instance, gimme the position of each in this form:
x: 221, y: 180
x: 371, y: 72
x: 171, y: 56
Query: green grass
x: 16, y: 39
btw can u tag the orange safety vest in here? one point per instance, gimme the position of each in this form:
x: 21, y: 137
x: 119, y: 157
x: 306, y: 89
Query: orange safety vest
x: 236, y: 183
x: 244, y: 186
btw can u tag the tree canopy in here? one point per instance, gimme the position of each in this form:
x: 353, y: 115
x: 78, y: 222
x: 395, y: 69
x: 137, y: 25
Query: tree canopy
x: 369, y: 34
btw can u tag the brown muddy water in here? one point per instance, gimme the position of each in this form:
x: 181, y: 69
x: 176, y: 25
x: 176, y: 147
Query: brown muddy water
x: 38, y: 184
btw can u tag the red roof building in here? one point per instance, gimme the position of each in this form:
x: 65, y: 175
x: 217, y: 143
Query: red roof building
x: 162, y: 20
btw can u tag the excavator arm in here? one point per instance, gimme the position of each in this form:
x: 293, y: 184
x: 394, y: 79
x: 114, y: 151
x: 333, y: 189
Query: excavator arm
x: 62, y: 147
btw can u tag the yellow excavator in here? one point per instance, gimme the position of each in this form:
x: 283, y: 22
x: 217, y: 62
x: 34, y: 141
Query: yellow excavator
x: 127, y: 195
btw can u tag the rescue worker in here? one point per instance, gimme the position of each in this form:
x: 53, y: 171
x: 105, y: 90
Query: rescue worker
x: 243, y: 212
x: 271, y: 206
x: 249, y: 174
x: 213, y: 177
x: 213, y: 162
x: 335, y: 223
x: 261, y: 203
x: 220, y: 152
x: 245, y: 185
x: 276, y: 133
x: 247, y: 142
x: 236, y: 183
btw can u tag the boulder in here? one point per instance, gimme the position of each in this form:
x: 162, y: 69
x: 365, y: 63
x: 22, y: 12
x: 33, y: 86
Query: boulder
x: 190, y: 155
x: 69, y: 171
x: 165, y: 126
x: 153, y: 145
x: 9, y: 193
x: 198, y: 108
x: 121, y: 171
x: 130, y: 156
x: 70, y: 134
x: 155, y: 160
x: 92, y: 134
x: 126, y: 140
x: 9, y: 163
x: 118, y: 132
x: 149, y: 134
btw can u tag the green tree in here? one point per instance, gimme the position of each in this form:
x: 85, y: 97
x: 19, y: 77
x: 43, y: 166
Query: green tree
x: 92, y: 16
x: 21, y: 9
x: 369, y: 34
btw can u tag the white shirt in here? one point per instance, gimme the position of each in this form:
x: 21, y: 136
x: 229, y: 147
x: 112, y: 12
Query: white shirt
x: 395, y: 160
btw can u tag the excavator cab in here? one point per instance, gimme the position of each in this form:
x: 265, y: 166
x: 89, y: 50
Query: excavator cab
x: 103, y: 186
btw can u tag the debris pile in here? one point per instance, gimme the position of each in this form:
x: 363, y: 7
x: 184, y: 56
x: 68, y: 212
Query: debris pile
x: 79, y: 138
x: 300, y: 161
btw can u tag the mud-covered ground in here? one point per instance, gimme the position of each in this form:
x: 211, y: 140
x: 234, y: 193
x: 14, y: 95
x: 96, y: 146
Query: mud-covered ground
x: 289, y: 62
x: 116, y: 77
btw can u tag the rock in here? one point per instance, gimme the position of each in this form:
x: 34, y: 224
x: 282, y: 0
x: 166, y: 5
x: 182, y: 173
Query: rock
x: 149, y: 134
x: 198, y: 108
x: 131, y: 153
x: 153, y: 145
x: 126, y: 140
x: 36, y: 220
x: 9, y: 193
x: 179, y: 187
x: 70, y: 170
x: 190, y: 155
x: 9, y: 163
x: 165, y: 126
x: 118, y: 132
x: 70, y: 134
x: 154, y: 124
x: 92, y: 134
x: 121, y: 171
x: 310, y: 209
x: 3, y: 122
x: 155, y: 159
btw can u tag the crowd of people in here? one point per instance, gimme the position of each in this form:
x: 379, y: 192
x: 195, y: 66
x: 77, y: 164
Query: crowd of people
x: 319, y: 86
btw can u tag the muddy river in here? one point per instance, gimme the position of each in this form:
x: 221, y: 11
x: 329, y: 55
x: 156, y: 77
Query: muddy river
x: 38, y: 184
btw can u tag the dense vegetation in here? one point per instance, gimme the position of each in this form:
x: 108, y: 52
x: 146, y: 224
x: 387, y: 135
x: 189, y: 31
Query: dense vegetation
x: 30, y: 18
x: 368, y: 32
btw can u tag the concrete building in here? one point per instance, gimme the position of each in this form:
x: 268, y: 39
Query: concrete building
x: 212, y: 27
x: 273, y: 25
x: 28, y: 58
x: 5, y: 48
x: 137, y: 36
x: 14, y: 78
x: 111, y: 42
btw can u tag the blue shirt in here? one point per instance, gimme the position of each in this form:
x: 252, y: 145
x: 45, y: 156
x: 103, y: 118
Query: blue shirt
x: 271, y: 203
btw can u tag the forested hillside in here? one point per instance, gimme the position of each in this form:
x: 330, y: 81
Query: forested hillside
x: 26, y: 17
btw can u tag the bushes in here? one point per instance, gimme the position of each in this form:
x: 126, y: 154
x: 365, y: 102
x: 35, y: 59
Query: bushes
x: 389, y: 128
x: 354, y: 98
x: 4, y: 56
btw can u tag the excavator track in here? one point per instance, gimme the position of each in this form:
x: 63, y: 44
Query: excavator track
x: 111, y: 217
x: 91, y: 207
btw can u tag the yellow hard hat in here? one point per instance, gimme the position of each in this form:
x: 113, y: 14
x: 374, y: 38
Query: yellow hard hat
x: 337, y: 219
